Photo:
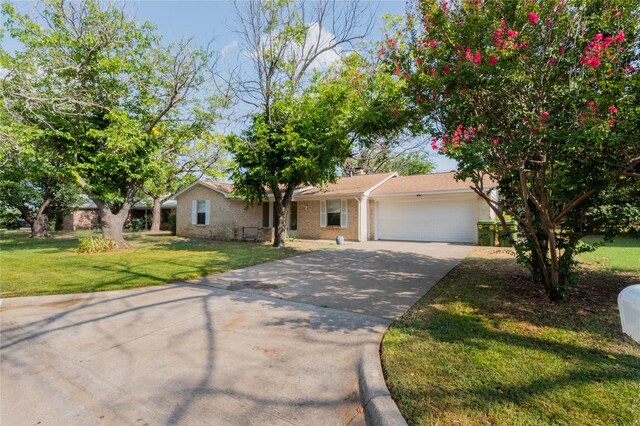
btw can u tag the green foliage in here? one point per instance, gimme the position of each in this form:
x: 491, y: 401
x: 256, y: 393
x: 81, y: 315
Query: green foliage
x: 172, y: 224
x: 542, y: 97
x: 9, y: 218
x: 103, y: 90
x: 91, y: 244
x: 412, y: 163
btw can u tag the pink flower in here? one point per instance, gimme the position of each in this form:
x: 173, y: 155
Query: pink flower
x: 446, y: 69
x: 394, y: 112
x: 495, y: 142
x: 619, y: 36
x: 533, y: 18
x: 534, y: 130
x: 613, y: 109
x: 544, y: 115
x: 553, y: 62
x: 477, y: 58
x: 548, y: 22
x: 493, y: 60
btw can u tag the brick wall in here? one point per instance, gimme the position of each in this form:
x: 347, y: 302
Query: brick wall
x: 228, y: 216
x: 80, y: 219
x: 309, y: 222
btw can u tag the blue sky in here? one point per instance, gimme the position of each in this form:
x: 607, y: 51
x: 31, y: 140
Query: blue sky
x: 213, y: 21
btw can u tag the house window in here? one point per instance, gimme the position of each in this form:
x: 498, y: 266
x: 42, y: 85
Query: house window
x: 201, y: 209
x: 333, y: 212
x: 200, y: 212
x: 265, y: 214
x: 293, y: 216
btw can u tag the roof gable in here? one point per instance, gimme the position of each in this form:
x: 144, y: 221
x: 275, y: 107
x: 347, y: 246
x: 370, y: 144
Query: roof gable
x: 433, y: 182
x: 349, y: 185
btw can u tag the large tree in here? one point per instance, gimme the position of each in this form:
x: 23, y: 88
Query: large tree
x: 104, y: 87
x: 33, y: 182
x: 540, y: 96
x: 286, y: 43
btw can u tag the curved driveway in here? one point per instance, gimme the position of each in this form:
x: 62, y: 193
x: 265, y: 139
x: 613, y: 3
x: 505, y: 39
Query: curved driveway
x: 277, y: 343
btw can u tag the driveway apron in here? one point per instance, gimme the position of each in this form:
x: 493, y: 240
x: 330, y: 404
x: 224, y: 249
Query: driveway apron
x: 277, y: 343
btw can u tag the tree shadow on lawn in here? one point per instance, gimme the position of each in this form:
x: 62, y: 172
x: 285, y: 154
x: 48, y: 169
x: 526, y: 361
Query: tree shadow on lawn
x: 501, y: 289
x: 481, y: 390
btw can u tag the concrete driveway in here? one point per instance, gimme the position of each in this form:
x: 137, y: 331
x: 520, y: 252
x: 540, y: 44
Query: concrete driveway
x: 278, y: 343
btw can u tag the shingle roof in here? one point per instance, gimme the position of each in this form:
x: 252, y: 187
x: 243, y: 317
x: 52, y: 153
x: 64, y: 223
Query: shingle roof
x: 357, y: 184
x: 227, y: 188
x: 433, y: 182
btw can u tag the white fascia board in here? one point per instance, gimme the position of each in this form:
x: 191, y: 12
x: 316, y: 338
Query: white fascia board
x: 199, y: 182
x: 329, y: 196
x: 379, y: 184
x: 409, y: 194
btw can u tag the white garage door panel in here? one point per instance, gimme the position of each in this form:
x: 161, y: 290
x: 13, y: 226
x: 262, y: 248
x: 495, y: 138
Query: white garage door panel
x: 435, y: 220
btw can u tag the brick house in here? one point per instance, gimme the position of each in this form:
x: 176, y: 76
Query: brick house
x: 85, y: 216
x: 431, y: 207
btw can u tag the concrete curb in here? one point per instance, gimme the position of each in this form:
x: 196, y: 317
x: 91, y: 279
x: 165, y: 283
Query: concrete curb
x: 379, y: 408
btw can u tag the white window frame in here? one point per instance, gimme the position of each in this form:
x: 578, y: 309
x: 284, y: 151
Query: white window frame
x: 344, y: 213
x: 194, y: 212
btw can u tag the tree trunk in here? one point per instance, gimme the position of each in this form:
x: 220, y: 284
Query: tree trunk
x: 157, y: 214
x: 281, y: 227
x: 40, y: 226
x: 113, y: 224
x: 281, y: 204
x: 40, y: 221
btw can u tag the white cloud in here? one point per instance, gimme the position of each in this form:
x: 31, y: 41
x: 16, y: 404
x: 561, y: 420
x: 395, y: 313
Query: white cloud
x: 321, y: 37
x: 228, y: 47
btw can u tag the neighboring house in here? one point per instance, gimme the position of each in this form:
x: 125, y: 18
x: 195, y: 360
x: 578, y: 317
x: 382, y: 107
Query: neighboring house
x: 432, y: 207
x: 85, y: 216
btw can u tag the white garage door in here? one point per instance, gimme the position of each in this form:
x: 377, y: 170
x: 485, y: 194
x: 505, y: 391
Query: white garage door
x: 428, y: 220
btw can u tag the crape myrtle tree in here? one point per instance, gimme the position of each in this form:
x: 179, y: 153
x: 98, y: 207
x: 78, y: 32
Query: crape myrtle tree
x: 106, y: 89
x: 540, y: 96
x: 302, y: 128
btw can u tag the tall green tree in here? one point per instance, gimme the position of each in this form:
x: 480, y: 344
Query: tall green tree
x: 540, y: 96
x: 106, y: 88
x: 309, y: 136
x: 288, y: 41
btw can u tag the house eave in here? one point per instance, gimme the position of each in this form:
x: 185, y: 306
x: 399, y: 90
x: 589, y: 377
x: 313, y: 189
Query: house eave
x: 421, y: 193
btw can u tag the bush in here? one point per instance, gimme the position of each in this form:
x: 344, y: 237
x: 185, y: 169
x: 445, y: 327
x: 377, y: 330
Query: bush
x: 172, y: 224
x: 95, y: 244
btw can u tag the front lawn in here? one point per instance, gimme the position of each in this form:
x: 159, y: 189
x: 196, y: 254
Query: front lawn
x: 485, y: 347
x: 52, y: 266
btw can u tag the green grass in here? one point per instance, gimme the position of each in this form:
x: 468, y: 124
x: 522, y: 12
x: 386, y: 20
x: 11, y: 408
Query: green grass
x: 486, y: 347
x: 620, y: 255
x: 53, y: 266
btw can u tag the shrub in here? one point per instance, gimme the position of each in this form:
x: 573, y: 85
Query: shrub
x: 172, y: 224
x: 95, y: 244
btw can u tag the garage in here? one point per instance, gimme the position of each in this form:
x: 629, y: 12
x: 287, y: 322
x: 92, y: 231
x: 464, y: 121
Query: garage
x: 428, y: 218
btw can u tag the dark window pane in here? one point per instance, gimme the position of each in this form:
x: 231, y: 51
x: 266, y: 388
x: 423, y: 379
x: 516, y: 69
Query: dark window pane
x: 265, y: 214
x: 333, y: 219
x: 201, y: 218
x: 293, y: 216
